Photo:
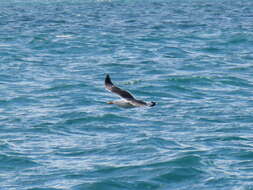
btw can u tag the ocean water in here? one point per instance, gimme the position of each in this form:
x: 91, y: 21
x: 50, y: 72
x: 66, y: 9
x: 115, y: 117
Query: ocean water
x: 193, y: 57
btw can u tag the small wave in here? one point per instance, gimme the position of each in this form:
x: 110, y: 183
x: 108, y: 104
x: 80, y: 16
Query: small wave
x: 21, y: 100
x: 5, y: 45
x: 235, y: 81
x: 43, y: 188
x: 179, y: 175
x: 132, y: 82
x: 239, y: 39
x: 172, y: 52
x: 72, y: 152
x: 31, y: 59
x: 113, y: 184
x: 12, y: 162
x: 66, y: 36
x: 190, y: 80
x: 211, y: 50
x: 103, y: 117
x: 186, y: 161
x: 63, y: 87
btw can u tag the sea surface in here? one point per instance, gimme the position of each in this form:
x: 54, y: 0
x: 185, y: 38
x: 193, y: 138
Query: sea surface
x: 193, y: 57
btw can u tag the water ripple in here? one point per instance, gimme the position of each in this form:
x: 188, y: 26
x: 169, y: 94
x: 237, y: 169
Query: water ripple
x: 193, y: 58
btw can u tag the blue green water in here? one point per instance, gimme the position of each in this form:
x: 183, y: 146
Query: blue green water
x: 193, y: 57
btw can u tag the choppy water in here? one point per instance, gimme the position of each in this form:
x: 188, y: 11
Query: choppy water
x: 193, y: 57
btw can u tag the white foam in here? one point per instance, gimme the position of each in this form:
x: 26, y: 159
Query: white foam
x: 65, y: 36
x: 5, y: 45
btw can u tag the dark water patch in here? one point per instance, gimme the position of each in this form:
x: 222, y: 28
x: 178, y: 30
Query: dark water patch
x: 105, y: 117
x: 172, y: 52
x: 180, y: 89
x: 191, y: 80
x: 119, y: 65
x: 212, y: 119
x: 236, y: 81
x: 105, y: 185
x: 247, y: 57
x: 211, y: 50
x: 14, y: 162
x: 190, y: 25
x: 73, y: 114
x: 220, y: 181
x: 117, y: 184
x: 231, y: 138
x: 233, y: 129
x: 184, y: 161
x: 117, y: 172
x: 180, y: 175
x: 159, y: 142
x: 238, y: 39
x: 245, y: 154
x: 42, y: 127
